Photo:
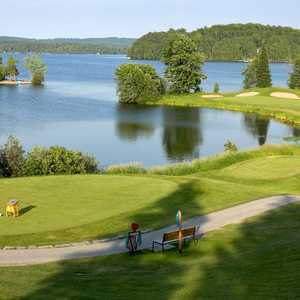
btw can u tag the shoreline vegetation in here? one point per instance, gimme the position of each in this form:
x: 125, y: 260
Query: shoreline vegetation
x: 225, y: 42
x: 264, y: 103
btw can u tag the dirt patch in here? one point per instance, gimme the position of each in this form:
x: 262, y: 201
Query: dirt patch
x: 248, y: 94
x: 285, y: 95
x: 212, y: 96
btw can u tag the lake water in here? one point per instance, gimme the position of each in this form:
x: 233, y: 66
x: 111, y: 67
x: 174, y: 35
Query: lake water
x: 78, y: 108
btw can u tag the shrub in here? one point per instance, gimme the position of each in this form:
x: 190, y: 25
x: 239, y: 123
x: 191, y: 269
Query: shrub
x: 13, y: 153
x: 230, y: 147
x: 58, y: 160
x: 131, y: 168
x: 138, y: 83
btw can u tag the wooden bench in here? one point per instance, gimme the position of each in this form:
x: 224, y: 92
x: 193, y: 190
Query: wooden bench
x: 173, y: 236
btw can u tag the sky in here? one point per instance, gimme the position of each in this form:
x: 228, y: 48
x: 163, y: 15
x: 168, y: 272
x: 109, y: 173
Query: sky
x: 133, y: 18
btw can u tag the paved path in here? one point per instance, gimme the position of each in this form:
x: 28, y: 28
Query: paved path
x: 205, y: 224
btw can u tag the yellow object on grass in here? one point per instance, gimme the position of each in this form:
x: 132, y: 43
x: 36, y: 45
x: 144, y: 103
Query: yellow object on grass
x: 12, y: 208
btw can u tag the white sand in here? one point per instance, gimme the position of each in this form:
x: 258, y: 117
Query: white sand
x: 285, y: 95
x: 212, y: 96
x: 248, y: 94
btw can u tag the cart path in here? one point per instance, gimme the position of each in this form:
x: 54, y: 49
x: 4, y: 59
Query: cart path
x: 206, y: 223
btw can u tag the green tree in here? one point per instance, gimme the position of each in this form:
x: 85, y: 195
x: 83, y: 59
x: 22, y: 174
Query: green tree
x: 216, y: 88
x: 263, y: 74
x: 35, y: 65
x: 14, y: 154
x: 250, y: 74
x: 138, y: 83
x: 183, y: 65
x: 2, y: 69
x: 294, y: 78
x: 11, y: 69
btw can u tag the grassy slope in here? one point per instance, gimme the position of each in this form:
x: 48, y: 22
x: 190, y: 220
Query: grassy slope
x: 284, y: 110
x: 73, y: 208
x: 259, y: 259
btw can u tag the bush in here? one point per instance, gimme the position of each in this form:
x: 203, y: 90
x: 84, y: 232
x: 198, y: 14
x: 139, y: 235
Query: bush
x: 138, y: 83
x: 58, y: 160
x: 230, y: 147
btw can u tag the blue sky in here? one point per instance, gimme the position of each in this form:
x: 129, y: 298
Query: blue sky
x: 132, y: 18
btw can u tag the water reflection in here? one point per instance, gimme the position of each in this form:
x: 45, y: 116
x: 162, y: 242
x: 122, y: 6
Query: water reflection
x: 296, y: 132
x: 134, y: 122
x: 182, y: 134
x: 257, y: 126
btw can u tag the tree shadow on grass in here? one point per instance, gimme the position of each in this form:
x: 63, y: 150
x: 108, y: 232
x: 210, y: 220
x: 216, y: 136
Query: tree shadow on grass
x: 124, y: 276
x: 259, y: 259
x: 162, y: 212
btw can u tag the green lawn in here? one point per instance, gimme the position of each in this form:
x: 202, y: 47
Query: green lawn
x: 258, y: 260
x: 59, y: 209
x: 285, y: 110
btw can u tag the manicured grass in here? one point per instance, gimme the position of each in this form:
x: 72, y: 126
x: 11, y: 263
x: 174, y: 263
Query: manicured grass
x: 284, y: 110
x: 59, y: 209
x: 259, y: 259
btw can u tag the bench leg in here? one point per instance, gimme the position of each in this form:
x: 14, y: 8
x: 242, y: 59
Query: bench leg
x: 163, y: 247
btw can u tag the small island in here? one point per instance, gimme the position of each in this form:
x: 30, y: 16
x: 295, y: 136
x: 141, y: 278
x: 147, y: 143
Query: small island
x: 33, y: 63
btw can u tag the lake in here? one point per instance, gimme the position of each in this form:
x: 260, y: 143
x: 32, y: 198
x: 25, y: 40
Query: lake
x: 78, y: 108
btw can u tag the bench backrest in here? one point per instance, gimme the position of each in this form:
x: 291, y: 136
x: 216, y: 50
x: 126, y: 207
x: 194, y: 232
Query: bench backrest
x: 174, y: 235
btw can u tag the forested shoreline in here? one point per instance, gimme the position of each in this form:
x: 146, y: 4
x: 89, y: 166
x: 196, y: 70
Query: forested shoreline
x: 234, y: 42
x: 91, y: 45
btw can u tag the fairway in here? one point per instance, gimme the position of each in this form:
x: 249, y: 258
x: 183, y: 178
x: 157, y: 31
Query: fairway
x: 60, y: 209
x: 61, y: 202
x: 266, y: 168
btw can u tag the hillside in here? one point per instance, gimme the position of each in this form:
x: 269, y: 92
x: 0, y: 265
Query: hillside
x: 111, y: 45
x: 227, y: 42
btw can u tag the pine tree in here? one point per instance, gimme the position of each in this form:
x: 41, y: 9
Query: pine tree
x: 263, y: 74
x: 294, y: 79
x: 216, y: 88
x: 250, y: 75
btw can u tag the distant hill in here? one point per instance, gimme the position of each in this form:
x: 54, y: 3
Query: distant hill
x: 66, y: 45
x: 226, y: 42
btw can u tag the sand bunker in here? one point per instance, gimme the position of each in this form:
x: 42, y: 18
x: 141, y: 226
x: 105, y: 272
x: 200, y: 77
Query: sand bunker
x: 212, y: 96
x: 248, y: 94
x: 285, y: 95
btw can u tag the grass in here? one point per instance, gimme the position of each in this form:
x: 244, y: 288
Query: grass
x: 60, y: 209
x: 284, y: 110
x: 259, y: 259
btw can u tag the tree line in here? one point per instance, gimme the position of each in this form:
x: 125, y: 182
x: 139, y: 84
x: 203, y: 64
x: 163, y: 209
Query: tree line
x: 33, y: 63
x: 226, y: 42
x: 92, y: 45
x: 138, y: 83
